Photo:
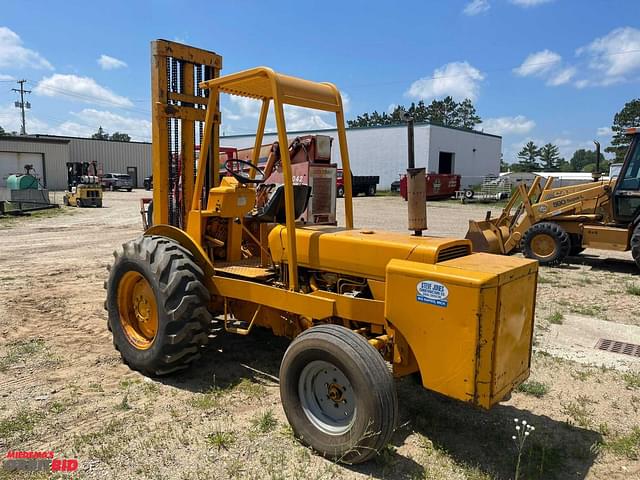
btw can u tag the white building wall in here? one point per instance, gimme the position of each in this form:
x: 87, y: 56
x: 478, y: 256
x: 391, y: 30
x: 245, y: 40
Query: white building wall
x: 476, y: 155
x: 382, y: 151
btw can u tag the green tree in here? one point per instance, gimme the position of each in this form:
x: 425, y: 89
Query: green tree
x: 2, y: 132
x: 100, y: 134
x: 467, y: 115
x: 120, y: 137
x: 581, y: 158
x: 629, y: 116
x: 528, y: 157
x: 550, y: 157
x: 446, y: 112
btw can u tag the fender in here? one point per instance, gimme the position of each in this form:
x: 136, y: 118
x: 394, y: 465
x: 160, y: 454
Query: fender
x: 181, y: 237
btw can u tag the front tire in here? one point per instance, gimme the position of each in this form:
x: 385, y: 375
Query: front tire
x: 371, y: 191
x: 546, y: 242
x: 338, y: 394
x: 635, y: 245
x: 157, y: 305
x: 340, y: 192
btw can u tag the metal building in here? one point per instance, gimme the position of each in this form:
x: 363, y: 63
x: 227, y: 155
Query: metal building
x: 50, y: 154
x: 383, y: 150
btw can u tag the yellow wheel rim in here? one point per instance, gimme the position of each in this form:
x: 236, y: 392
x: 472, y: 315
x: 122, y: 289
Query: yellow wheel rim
x: 543, y: 245
x: 138, y: 310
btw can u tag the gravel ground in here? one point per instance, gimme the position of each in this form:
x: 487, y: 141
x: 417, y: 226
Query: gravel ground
x: 64, y: 388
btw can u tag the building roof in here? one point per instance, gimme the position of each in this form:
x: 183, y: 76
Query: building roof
x: 417, y: 124
x: 43, y: 135
x: 34, y: 139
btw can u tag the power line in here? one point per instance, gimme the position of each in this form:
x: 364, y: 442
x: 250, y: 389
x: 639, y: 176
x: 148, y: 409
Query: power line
x: 22, y: 104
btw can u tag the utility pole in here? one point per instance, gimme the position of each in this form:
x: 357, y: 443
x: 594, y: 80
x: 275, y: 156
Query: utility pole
x: 22, y: 104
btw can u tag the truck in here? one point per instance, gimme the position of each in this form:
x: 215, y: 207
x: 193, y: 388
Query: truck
x: 366, y: 184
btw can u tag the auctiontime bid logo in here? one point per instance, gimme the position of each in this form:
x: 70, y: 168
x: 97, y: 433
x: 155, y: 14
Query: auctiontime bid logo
x: 34, y: 461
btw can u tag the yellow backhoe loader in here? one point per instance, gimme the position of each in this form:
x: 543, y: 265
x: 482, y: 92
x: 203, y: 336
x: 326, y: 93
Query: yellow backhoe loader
x: 549, y: 224
x: 353, y: 300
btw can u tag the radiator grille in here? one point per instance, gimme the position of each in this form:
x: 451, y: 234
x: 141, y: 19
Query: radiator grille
x: 450, y: 253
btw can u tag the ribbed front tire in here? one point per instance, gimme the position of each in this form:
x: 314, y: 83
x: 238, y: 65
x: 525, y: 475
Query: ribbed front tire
x: 157, y: 304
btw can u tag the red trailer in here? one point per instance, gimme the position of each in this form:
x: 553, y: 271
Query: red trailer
x: 439, y: 185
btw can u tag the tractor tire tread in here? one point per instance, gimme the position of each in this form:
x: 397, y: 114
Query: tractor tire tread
x: 182, y: 303
x: 635, y: 245
x: 554, y: 230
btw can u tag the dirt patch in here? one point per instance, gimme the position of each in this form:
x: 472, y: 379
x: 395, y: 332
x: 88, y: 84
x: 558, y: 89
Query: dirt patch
x: 63, y: 387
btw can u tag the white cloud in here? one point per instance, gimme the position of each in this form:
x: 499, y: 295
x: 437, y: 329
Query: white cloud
x: 298, y: 118
x: 11, y: 120
x: 476, y: 7
x: 615, y: 55
x: 137, y: 128
x: 529, y: 3
x: 562, y: 76
x: 508, y: 125
x: 110, y: 63
x: 6, y: 77
x: 246, y: 107
x: 604, y: 132
x: 84, y: 89
x: 13, y: 54
x: 458, y: 79
x: 538, y: 63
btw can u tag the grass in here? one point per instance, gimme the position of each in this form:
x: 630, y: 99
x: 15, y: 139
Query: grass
x: 632, y: 379
x: 588, y: 310
x: 221, y: 439
x: 633, y: 289
x: 19, y: 425
x: 251, y: 389
x: 206, y: 401
x: 578, y: 412
x: 556, y: 318
x: 625, y: 445
x: 124, y: 404
x: 535, y: 389
x: 546, y: 280
x: 264, y: 422
x: 21, y: 350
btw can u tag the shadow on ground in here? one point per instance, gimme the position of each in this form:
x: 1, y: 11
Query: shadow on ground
x: 474, y: 439
x: 603, y: 263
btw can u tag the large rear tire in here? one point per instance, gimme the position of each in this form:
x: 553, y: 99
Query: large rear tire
x: 338, y: 394
x: 546, y: 242
x: 157, y: 305
x: 635, y: 245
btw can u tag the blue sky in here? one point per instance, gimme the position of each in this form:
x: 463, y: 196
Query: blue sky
x: 547, y: 70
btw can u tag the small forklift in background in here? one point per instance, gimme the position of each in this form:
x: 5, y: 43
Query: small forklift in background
x: 83, y: 185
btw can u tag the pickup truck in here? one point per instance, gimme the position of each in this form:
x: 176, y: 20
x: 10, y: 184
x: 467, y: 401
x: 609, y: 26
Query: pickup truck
x: 366, y: 184
x: 116, y: 181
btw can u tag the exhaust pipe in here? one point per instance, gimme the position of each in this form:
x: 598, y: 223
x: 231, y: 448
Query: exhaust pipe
x: 596, y: 174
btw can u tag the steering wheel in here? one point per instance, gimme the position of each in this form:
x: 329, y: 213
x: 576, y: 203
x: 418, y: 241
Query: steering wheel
x: 240, y: 176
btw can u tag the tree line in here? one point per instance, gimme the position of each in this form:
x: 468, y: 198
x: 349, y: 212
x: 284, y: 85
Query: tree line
x: 547, y: 157
x: 533, y: 158
x: 115, y: 136
x: 445, y: 112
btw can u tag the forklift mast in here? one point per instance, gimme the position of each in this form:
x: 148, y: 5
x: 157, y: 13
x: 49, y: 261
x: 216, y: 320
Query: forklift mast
x: 178, y: 105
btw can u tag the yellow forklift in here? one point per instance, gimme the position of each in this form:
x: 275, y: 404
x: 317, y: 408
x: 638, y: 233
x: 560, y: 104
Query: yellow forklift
x: 354, y: 300
x: 83, y: 185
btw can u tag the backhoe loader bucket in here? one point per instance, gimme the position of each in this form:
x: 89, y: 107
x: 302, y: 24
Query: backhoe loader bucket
x: 486, y: 237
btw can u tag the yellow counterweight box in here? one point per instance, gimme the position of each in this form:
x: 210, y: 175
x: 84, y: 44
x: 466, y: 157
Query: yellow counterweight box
x: 468, y: 321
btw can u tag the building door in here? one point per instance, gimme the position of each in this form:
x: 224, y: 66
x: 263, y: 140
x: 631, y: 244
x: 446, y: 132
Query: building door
x: 14, y: 162
x: 445, y: 162
x: 133, y: 173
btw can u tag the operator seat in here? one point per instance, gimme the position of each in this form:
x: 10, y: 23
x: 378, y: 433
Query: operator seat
x: 274, y: 209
